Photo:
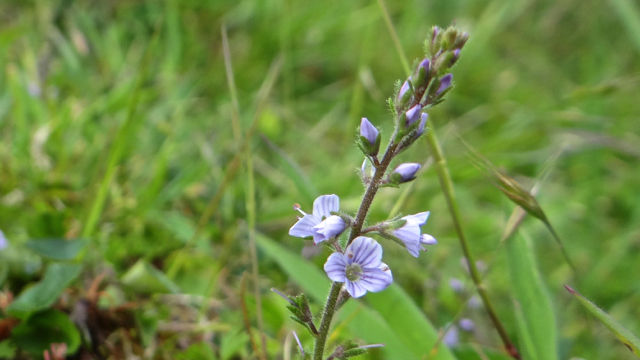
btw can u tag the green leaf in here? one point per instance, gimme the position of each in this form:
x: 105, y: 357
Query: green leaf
x: 145, y: 278
x: 392, y: 319
x: 628, y: 339
x: 57, y: 249
x: 39, y: 331
x: 536, y: 320
x: 56, y: 278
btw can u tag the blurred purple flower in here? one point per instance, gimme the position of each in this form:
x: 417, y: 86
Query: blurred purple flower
x: 360, y: 267
x: 467, y: 324
x: 451, y: 337
x: 3, y: 241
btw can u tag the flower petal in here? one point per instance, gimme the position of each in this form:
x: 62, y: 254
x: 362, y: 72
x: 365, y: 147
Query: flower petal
x: 325, y: 204
x: 355, y: 289
x: 413, y: 247
x: 427, y: 239
x: 419, y: 218
x: 376, y: 279
x: 336, y: 267
x: 304, y: 227
x: 330, y: 227
x: 409, y: 233
x: 366, y: 252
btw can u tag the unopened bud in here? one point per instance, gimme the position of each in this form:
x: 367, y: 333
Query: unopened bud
x: 404, y: 173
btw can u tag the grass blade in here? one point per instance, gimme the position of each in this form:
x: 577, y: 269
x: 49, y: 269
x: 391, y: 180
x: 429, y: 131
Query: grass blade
x: 537, y: 328
x: 628, y: 339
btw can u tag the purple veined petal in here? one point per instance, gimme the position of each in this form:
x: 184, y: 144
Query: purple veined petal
x: 355, y: 289
x: 409, y: 233
x: 304, y: 227
x: 368, y: 131
x: 366, y: 252
x: 413, y: 114
x: 413, y: 248
x: 336, y: 267
x: 330, y: 227
x: 419, y: 218
x: 427, y: 239
x: 325, y: 204
x: 376, y: 279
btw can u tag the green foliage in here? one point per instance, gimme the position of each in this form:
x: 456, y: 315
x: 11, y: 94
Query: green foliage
x: 36, y: 333
x: 116, y: 127
x: 41, y: 295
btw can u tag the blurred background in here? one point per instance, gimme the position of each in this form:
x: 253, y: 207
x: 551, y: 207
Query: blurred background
x: 135, y: 182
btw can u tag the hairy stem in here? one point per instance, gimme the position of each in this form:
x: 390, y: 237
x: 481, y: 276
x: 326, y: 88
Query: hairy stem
x: 356, y: 228
x: 447, y: 188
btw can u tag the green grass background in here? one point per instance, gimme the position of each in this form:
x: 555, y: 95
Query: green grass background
x: 117, y: 126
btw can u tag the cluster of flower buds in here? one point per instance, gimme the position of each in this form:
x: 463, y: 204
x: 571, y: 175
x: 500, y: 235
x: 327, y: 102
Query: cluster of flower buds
x: 430, y: 81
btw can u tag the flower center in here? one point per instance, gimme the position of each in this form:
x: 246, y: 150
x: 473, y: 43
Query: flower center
x: 354, y: 272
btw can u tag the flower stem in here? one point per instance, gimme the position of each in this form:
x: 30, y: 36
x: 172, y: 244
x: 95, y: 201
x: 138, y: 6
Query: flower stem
x: 356, y: 228
x: 327, y: 316
x: 447, y: 188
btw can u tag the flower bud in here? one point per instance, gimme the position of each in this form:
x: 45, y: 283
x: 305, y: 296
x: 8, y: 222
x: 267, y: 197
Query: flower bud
x: 412, y: 115
x: 404, y: 173
x: 423, y: 122
x: 369, y: 140
x: 404, y: 95
x: 421, y: 79
x: 368, y: 131
x: 445, y: 83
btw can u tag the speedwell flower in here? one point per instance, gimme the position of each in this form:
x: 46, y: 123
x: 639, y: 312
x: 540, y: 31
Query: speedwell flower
x: 320, y: 225
x: 360, y: 267
x: 409, y: 233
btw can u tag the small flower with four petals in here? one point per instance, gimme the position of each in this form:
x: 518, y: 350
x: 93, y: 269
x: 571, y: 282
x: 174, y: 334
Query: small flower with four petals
x: 360, y: 267
x: 321, y: 225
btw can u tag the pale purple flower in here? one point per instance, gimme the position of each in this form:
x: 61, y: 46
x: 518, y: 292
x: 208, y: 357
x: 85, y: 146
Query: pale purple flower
x: 410, y: 235
x: 368, y: 131
x: 467, y: 324
x: 445, y: 82
x: 413, y: 114
x: 3, y: 241
x: 320, y: 225
x: 360, y: 267
x: 451, y: 337
x: 407, y: 171
x: 456, y: 285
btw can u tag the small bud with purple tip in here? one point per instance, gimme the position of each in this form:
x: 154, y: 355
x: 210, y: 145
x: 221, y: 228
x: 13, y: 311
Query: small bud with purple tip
x: 404, y: 173
x: 369, y: 139
x: 412, y: 115
x: 421, y: 78
x: 445, y: 84
x: 405, y: 93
